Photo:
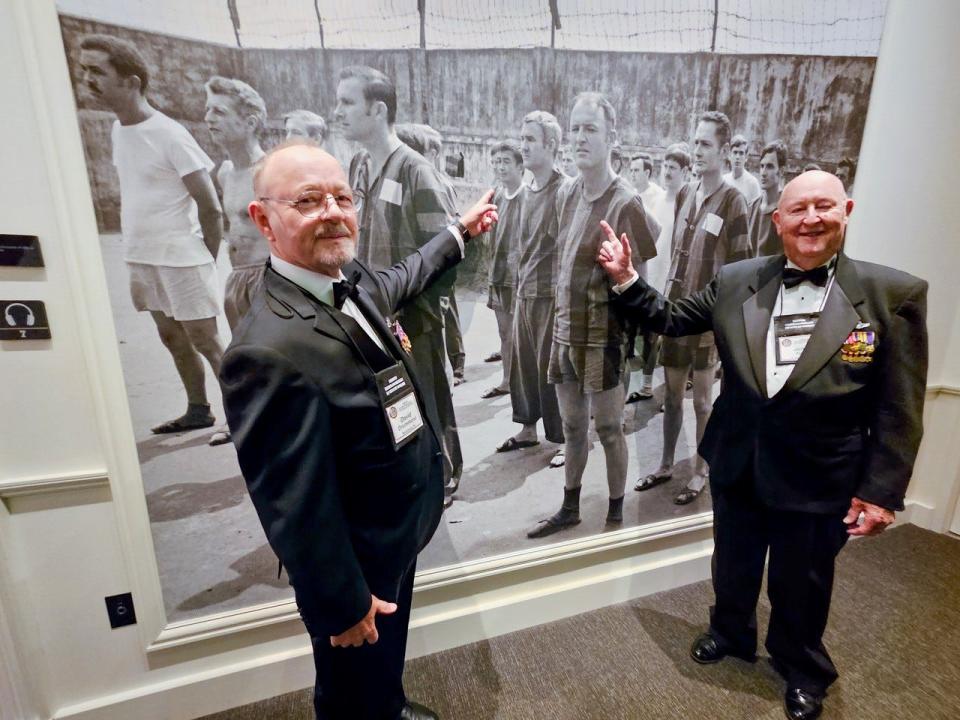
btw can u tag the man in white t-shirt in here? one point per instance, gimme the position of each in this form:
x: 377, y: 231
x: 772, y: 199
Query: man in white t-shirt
x: 652, y: 196
x: 738, y: 175
x: 170, y: 218
x: 674, y: 174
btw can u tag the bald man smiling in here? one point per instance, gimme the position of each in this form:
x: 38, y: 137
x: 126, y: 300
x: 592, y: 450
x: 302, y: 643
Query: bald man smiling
x: 816, y: 429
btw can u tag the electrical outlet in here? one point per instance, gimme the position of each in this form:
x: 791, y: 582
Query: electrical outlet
x: 120, y: 610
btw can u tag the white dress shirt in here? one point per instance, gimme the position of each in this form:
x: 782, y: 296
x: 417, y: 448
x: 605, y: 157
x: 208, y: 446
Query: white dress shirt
x: 805, y: 297
x: 321, y: 287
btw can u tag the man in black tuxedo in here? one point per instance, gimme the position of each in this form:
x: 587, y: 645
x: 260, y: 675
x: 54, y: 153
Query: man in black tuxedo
x: 817, y: 423
x: 341, y: 456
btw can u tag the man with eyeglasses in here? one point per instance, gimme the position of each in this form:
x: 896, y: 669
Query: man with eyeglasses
x: 340, y: 452
x: 406, y: 204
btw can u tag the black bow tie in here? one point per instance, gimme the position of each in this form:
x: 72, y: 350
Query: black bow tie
x: 344, y: 289
x: 793, y: 276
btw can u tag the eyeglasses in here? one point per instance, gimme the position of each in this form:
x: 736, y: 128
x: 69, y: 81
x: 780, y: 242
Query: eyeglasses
x: 312, y: 204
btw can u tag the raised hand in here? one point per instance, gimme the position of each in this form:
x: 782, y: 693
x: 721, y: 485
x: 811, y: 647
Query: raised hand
x: 614, y: 256
x: 481, y: 217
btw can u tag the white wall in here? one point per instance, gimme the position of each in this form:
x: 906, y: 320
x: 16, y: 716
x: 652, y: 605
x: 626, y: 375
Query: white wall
x: 73, y: 525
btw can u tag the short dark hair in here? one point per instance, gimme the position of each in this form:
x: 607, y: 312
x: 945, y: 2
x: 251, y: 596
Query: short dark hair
x: 720, y: 121
x: 647, y: 161
x: 411, y: 136
x: 507, y: 146
x: 122, y: 55
x: 679, y: 154
x: 777, y: 148
x: 377, y: 87
x: 738, y: 141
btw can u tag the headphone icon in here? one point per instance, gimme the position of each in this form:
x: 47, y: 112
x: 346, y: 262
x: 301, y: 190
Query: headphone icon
x: 31, y: 319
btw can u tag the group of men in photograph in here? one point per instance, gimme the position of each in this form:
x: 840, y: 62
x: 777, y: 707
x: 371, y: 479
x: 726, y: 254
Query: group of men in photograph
x: 552, y: 326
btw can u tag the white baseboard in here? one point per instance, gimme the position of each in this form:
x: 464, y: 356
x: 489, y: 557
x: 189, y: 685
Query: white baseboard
x: 445, y: 618
x: 921, y: 515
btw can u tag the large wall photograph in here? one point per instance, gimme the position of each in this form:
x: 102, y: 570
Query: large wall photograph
x: 229, y: 79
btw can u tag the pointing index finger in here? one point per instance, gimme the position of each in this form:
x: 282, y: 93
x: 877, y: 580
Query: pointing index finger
x: 608, y: 231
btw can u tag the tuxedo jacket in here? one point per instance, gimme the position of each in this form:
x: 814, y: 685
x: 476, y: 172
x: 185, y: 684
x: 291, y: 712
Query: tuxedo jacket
x: 840, y: 427
x: 345, y: 513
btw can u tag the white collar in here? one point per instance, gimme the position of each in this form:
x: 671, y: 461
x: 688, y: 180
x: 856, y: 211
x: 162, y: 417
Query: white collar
x: 317, y: 284
x: 831, y: 264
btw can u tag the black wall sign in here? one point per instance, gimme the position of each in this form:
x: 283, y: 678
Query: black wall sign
x: 20, y: 251
x: 23, y: 320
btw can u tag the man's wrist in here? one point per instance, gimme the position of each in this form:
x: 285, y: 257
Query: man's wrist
x: 464, y: 233
x: 626, y: 284
x: 454, y: 229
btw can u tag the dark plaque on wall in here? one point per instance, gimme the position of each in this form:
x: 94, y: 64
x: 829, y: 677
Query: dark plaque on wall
x: 20, y: 251
x: 23, y: 320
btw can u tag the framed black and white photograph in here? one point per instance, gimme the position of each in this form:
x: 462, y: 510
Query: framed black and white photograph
x: 526, y: 97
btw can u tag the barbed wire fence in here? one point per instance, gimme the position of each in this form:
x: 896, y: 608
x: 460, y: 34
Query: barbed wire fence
x: 789, y: 27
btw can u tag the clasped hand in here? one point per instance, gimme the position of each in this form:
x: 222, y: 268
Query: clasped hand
x: 366, y: 629
x: 875, y: 518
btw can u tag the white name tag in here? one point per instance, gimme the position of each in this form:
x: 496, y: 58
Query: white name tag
x: 405, y: 418
x: 713, y: 224
x: 391, y: 191
x: 792, y: 333
x: 400, y: 405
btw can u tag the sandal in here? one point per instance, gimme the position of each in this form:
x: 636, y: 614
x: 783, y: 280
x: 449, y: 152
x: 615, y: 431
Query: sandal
x: 493, y: 392
x: 687, y: 496
x: 651, y: 481
x: 220, y: 437
x: 493, y: 357
x: 511, y: 444
x: 187, y: 421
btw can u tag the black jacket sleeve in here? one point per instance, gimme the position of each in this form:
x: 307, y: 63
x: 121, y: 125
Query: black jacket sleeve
x: 281, y: 428
x: 897, y: 422
x: 414, y: 274
x: 692, y: 315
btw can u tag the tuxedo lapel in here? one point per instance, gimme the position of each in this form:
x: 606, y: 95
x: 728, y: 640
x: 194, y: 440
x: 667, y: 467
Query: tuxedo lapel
x: 286, y: 299
x: 372, y: 313
x: 836, y: 322
x: 756, y: 318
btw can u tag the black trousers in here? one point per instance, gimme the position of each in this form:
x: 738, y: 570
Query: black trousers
x: 803, y: 548
x: 366, y: 682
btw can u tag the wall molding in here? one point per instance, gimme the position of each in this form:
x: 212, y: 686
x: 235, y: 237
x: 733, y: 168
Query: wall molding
x: 53, y: 483
x: 474, y: 614
x: 215, y: 627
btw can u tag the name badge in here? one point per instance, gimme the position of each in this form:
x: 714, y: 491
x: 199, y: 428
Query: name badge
x: 713, y: 224
x: 792, y: 333
x: 400, y: 405
x: 391, y: 191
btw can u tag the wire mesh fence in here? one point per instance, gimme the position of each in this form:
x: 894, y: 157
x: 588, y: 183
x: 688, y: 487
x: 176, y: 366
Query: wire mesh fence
x: 788, y: 27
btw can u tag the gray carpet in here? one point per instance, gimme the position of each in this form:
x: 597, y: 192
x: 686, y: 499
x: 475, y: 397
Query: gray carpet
x: 894, y: 634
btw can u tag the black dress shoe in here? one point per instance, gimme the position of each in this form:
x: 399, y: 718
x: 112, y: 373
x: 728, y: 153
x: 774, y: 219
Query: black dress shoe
x: 416, y: 711
x: 707, y: 650
x: 801, y: 705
